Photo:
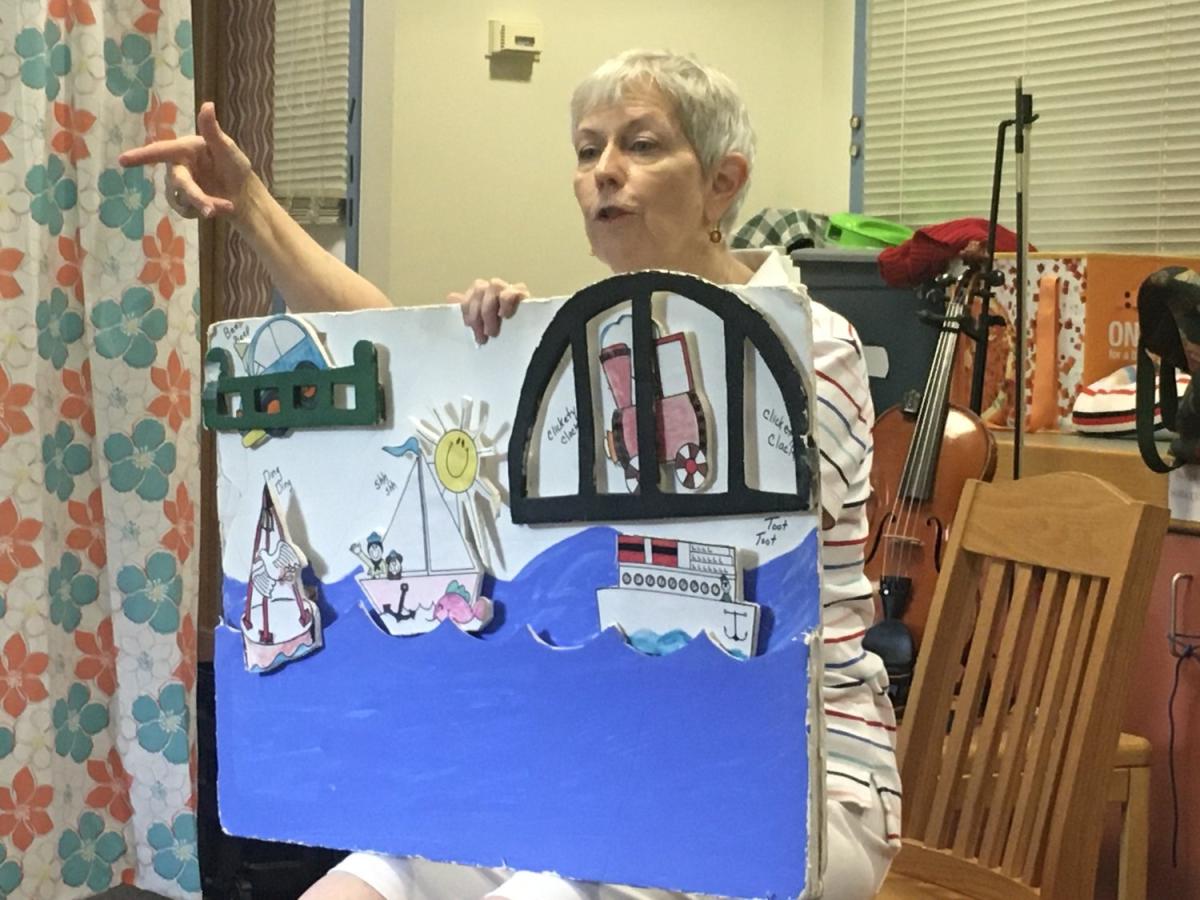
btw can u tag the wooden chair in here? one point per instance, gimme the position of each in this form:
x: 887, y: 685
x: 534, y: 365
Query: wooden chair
x: 1008, y: 744
x: 1129, y: 785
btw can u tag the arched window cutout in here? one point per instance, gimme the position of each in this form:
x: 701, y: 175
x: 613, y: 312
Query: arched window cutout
x: 552, y: 471
x: 767, y: 431
x: 749, y: 345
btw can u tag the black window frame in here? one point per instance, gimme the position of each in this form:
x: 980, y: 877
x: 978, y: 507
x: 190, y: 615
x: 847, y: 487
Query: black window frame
x: 568, y: 331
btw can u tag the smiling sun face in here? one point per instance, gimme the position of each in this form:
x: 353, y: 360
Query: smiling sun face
x: 457, y: 445
x: 456, y: 460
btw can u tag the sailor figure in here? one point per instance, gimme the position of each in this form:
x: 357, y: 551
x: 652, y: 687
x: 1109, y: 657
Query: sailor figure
x: 372, y: 560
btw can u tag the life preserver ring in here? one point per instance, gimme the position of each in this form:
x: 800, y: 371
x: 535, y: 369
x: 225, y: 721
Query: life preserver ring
x: 631, y: 476
x: 691, y: 466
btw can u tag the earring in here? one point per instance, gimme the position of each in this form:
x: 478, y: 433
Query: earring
x: 715, y: 235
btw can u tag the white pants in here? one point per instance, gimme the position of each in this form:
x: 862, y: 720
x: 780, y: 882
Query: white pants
x: 858, y: 859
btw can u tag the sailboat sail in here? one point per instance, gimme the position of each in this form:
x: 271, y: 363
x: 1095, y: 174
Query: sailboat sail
x: 424, y: 525
x: 440, y: 576
x: 406, y: 531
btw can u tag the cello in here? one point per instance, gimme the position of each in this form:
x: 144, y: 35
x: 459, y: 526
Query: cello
x: 926, y: 449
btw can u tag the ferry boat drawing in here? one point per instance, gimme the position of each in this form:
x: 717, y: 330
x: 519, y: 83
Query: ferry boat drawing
x: 681, y: 428
x: 670, y: 591
x: 438, y: 576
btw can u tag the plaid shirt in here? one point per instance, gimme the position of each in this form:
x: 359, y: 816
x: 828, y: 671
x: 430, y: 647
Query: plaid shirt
x: 787, y: 228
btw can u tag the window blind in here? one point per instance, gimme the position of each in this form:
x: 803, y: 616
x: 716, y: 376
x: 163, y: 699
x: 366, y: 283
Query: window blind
x: 1115, y: 155
x: 312, y: 91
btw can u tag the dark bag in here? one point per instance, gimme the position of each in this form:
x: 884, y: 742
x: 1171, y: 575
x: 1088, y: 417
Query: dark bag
x: 1169, y: 325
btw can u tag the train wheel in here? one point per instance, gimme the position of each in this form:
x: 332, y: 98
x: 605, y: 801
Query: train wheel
x: 631, y: 476
x: 691, y: 466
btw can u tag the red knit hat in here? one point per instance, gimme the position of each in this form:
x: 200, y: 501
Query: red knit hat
x: 925, y: 254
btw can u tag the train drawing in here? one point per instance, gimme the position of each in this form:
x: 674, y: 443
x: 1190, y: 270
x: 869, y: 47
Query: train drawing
x: 680, y: 420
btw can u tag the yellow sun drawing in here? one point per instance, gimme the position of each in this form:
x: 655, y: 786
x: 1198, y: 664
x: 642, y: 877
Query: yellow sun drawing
x: 456, y: 460
x: 458, y: 448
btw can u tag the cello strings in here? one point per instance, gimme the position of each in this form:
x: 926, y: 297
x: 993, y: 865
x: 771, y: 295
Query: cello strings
x: 907, y: 503
x: 901, y: 503
x: 916, y: 472
x: 915, y: 458
x: 929, y: 452
x: 931, y: 437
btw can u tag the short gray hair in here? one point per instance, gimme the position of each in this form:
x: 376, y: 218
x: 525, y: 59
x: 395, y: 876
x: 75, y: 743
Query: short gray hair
x: 707, y: 103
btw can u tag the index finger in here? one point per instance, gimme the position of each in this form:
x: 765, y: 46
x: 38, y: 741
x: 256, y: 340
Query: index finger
x: 470, y: 311
x: 179, y: 150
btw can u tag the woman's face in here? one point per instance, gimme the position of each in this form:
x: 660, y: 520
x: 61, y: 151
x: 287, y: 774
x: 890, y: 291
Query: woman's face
x: 645, y: 200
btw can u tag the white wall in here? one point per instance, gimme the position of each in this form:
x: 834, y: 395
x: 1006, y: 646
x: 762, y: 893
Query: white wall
x: 467, y: 175
x: 375, y: 208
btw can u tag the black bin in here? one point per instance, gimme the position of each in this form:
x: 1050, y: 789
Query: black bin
x: 898, y: 345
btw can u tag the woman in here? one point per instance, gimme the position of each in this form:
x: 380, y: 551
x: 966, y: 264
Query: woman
x: 663, y: 151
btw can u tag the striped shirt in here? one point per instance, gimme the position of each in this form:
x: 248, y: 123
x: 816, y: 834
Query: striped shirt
x: 860, y: 727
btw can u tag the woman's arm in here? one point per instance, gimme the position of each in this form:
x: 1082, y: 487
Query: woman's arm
x: 310, y: 278
x: 337, y: 885
x: 209, y: 175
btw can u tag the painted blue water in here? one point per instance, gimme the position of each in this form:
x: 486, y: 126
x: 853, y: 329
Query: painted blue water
x: 555, y: 594
x: 595, y: 761
x: 654, y: 644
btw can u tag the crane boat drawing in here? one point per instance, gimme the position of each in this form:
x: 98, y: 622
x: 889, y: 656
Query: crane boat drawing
x: 280, y: 622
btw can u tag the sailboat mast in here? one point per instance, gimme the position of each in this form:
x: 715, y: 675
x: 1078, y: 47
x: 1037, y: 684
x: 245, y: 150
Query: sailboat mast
x: 424, y: 511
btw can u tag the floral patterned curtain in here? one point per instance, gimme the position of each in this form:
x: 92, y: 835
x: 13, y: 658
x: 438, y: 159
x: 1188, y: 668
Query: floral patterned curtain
x: 99, y: 458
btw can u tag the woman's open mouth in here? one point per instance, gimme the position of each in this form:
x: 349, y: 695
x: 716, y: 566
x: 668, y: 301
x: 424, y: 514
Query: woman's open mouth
x: 610, y: 213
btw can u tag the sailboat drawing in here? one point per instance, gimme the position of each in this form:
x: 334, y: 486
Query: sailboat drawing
x: 433, y: 573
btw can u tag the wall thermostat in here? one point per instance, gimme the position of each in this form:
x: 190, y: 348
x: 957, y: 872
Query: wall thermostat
x: 514, y: 37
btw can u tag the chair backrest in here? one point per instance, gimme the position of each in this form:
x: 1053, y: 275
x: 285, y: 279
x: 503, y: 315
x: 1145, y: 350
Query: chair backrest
x: 1010, y: 732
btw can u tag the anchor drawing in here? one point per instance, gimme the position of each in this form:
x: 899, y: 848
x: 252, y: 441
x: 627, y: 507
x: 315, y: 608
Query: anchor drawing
x: 400, y: 613
x: 737, y: 614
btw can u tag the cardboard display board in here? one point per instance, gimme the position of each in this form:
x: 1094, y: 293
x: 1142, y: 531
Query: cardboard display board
x: 550, y: 603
